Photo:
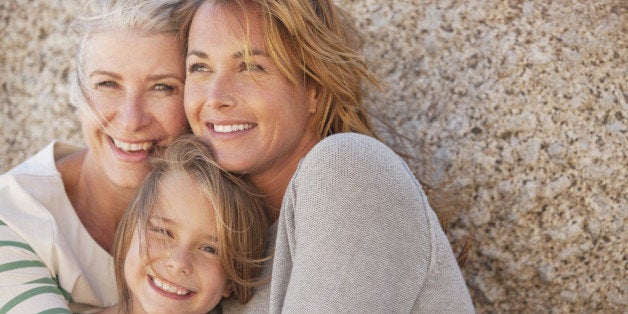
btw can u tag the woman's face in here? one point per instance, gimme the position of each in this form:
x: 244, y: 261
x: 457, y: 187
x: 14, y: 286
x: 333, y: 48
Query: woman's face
x: 134, y: 86
x: 256, y: 120
x: 181, y: 273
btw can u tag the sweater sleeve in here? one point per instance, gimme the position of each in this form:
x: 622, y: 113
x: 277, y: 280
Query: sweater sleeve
x: 356, y: 234
x: 26, y: 285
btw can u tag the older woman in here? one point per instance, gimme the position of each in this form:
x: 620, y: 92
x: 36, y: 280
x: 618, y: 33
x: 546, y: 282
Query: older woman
x: 275, y: 87
x: 60, y: 208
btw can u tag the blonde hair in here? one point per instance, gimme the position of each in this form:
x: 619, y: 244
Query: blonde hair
x: 241, y: 223
x: 145, y: 17
x: 312, y: 42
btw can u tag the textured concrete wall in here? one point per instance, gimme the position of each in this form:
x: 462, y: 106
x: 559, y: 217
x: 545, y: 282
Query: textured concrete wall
x: 524, y: 104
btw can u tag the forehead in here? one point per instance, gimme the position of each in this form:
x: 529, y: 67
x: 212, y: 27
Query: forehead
x: 226, y: 20
x: 124, y: 48
x: 181, y: 199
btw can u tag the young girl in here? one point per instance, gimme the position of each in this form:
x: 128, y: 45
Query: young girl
x: 193, y: 235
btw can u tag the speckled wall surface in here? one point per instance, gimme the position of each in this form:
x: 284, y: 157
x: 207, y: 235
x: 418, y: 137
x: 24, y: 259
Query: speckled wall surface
x: 524, y: 104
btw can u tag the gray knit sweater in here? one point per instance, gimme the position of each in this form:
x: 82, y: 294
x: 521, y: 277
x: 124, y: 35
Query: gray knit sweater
x: 357, y: 235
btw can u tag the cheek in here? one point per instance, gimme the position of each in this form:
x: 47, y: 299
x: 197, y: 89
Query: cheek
x: 193, y: 97
x: 103, y: 104
x: 299, y: 110
x: 218, y: 277
x: 173, y: 118
x: 193, y: 107
x: 90, y: 119
x: 132, y: 262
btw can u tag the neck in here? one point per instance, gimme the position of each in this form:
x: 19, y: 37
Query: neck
x: 98, y: 202
x: 274, y: 182
x: 273, y: 188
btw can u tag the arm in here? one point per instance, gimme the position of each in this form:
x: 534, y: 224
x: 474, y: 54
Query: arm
x: 26, y: 285
x: 361, y: 237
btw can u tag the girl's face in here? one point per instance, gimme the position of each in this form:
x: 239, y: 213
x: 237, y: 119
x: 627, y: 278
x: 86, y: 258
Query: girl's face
x: 135, y: 94
x: 182, y: 273
x: 255, y: 119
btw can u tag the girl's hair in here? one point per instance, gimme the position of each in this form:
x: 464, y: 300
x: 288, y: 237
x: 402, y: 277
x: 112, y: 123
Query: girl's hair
x: 241, y: 223
x: 145, y: 17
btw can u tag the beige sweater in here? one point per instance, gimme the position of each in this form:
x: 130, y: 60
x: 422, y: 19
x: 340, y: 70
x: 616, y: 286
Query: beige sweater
x: 357, y: 235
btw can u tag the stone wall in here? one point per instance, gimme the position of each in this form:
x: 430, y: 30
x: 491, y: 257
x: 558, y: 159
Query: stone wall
x: 523, y: 104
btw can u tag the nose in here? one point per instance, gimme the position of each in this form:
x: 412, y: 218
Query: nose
x: 220, y: 92
x: 179, y: 261
x: 132, y: 113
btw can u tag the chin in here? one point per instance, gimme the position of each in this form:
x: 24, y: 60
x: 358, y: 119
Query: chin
x: 131, y: 180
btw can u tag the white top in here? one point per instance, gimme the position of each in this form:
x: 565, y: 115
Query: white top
x: 48, y: 260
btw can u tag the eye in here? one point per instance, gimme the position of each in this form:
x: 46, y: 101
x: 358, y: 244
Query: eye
x: 197, y: 67
x: 105, y: 84
x: 209, y: 249
x: 163, y: 87
x: 160, y: 231
x: 251, y: 67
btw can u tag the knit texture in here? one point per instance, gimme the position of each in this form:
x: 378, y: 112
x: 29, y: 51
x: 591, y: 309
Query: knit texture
x: 356, y: 234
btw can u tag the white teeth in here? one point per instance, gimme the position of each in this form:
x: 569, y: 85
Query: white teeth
x: 232, y: 128
x: 170, y: 288
x: 132, y: 147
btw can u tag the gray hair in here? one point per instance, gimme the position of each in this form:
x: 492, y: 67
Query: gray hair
x: 144, y: 17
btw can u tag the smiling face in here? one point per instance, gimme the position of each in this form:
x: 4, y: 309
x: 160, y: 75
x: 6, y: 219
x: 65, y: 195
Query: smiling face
x: 134, y: 87
x: 181, y: 273
x: 255, y: 119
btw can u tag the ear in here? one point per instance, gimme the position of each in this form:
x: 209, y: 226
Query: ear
x: 314, y: 92
x: 226, y: 292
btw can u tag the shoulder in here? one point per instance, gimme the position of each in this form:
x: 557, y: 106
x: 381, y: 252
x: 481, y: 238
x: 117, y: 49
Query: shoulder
x: 43, y: 162
x: 351, y: 150
x: 27, y: 192
x: 21, y: 208
x: 350, y: 145
x: 349, y: 156
x: 352, y: 169
x: 34, y: 185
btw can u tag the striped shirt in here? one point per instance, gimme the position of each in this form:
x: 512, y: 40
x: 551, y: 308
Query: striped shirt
x: 48, y: 261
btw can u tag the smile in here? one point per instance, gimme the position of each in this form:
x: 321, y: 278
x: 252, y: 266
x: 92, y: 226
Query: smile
x: 169, y: 287
x: 232, y: 127
x: 132, y: 147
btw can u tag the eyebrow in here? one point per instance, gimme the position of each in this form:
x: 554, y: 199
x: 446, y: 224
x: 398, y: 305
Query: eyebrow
x: 212, y: 238
x: 237, y: 55
x: 161, y: 218
x: 172, y: 222
x: 107, y: 73
x: 156, y: 77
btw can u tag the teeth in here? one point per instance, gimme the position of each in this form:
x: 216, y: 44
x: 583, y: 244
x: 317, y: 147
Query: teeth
x: 132, y: 147
x: 170, y: 287
x: 231, y: 128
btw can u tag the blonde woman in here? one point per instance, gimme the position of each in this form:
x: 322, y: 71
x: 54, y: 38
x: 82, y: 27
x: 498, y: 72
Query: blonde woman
x: 275, y: 87
x: 59, y: 210
x: 192, y: 236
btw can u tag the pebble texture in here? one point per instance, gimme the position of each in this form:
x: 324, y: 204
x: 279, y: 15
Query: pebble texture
x: 523, y: 104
